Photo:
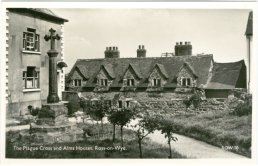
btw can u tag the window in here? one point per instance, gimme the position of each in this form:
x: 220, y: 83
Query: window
x: 120, y: 104
x: 130, y: 82
x: 77, y: 82
x: 30, y: 78
x: 127, y: 104
x: 185, y: 81
x: 31, y: 40
x: 103, y: 82
x: 108, y: 103
x: 156, y: 82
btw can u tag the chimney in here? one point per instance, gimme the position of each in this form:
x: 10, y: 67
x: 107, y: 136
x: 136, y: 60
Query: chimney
x: 183, y: 49
x: 141, y: 52
x: 112, y: 52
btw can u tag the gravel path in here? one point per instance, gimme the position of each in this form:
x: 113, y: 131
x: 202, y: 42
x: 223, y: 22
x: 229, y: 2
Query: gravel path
x: 193, y: 148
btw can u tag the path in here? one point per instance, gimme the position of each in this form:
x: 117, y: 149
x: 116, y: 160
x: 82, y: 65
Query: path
x: 193, y: 148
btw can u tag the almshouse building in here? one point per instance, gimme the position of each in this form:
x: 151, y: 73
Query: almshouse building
x: 27, y: 62
x: 170, y: 77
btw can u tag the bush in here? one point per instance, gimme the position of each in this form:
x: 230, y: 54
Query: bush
x: 194, y: 100
x: 35, y: 111
x: 73, y: 106
x: 243, y: 108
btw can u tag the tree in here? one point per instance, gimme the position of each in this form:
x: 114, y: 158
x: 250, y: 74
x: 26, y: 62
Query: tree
x: 167, y: 129
x: 123, y: 117
x: 85, y: 104
x: 148, y: 124
x: 99, y: 110
x: 113, y: 118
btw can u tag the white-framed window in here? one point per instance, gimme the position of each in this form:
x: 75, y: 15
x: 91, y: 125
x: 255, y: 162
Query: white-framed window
x: 185, y: 81
x: 31, y: 40
x: 103, y: 82
x: 77, y: 82
x: 130, y: 82
x: 156, y: 82
x: 30, y: 78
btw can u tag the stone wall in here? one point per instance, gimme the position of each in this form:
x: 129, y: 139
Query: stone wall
x: 169, y: 102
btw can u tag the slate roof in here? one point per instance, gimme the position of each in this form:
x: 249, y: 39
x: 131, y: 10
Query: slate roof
x: 43, y: 12
x: 109, y: 70
x: 161, y: 69
x: 226, y: 75
x: 249, y: 27
x: 83, y: 70
x: 143, y: 67
x: 190, y: 68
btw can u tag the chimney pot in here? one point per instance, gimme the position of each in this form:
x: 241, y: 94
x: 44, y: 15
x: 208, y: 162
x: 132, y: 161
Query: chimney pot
x: 141, y: 52
x: 183, y: 49
x: 110, y: 48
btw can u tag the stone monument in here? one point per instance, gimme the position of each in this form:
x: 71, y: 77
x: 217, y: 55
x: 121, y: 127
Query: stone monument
x: 52, y: 124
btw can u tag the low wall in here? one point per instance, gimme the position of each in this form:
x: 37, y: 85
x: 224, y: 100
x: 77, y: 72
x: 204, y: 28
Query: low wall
x: 164, y: 101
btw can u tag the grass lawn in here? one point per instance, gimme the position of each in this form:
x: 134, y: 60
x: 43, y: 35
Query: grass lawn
x: 220, y: 129
x: 150, y: 149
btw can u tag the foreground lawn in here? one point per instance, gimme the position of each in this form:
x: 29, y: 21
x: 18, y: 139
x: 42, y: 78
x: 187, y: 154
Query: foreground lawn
x: 98, y: 148
x: 220, y: 129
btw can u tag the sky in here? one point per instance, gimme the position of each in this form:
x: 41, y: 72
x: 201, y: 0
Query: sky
x: 89, y: 31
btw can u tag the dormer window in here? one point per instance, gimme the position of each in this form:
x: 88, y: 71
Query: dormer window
x: 31, y: 40
x: 103, y: 82
x: 156, y: 82
x: 77, y: 82
x: 186, y: 81
x: 130, y: 82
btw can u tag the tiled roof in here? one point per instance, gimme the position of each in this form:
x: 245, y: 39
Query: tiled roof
x: 227, y: 75
x: 162, y: 69
x: 109, y: 70
x: 136, y: 69
x: 43, y: 12
x: 143, y: 67
x: 190, y: 68
x: 83, y: 70
x: 249, y: 27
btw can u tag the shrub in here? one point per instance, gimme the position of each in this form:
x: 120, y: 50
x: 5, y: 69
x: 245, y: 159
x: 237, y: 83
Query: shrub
x: 35, y: 111
x: 73, y: 106
x: 243, y: 108
x: 194, y: 100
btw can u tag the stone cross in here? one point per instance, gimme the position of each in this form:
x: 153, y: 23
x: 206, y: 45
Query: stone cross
x: 52, y: 53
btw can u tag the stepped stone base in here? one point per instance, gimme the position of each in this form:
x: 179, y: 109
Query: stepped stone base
x: 52, y: 126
